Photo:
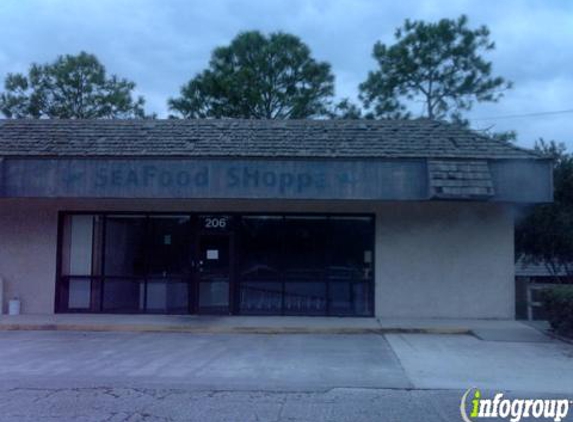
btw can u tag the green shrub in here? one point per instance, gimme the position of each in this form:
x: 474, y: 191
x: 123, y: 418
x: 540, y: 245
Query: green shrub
x: 558, y: 304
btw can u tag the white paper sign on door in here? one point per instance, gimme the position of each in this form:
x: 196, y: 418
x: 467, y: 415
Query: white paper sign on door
x: 212, y: 254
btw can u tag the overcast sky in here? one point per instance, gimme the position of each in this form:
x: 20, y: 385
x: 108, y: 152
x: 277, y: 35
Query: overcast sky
x: 161, y: 44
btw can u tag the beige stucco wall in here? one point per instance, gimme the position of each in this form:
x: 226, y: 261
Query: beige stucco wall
x: 445, y: 260
x: 28, y: 235
x: 442, y: 260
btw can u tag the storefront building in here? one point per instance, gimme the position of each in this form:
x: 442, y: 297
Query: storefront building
x: 334, y: 218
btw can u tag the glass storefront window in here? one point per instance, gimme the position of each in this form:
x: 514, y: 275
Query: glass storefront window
x: 261, y: 298
x: 306, y: 265
x: 243, y: 264
x: 305, y: 247
x: 350, y: 267
x: 167, y: 296
x: 79, y: 293
x: 125, y: 249
x: 169, y: 245
x: 260, y: 244
x: 305, y: 298
x: 81, y: 259
x: 305, y: 253
x: 78, y: 242
x: 352, y: 259
x: 123, y: 294
x: 260, y: 247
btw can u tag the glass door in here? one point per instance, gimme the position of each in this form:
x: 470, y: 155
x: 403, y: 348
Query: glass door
x: 213, y: 273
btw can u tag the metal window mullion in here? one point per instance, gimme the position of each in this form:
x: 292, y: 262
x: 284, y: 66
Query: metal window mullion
x: 103, y: 249
x: 326, y: 264
x: 146, y: 242
x: 282, y: 231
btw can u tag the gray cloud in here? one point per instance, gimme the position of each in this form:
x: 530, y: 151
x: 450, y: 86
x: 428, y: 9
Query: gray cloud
x: 160, y: 44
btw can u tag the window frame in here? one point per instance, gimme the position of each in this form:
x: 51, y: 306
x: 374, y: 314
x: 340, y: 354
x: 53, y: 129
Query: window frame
x: 236, y: 252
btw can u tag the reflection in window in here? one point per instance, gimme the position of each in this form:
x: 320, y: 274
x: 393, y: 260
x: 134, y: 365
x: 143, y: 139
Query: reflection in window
x: 214, y: 294
x: 79, y: 293
x: 261, y: 247
x: 79, y: 254
x: 352, y: 259
x: 169, y: 242
x: 123, y: 294
x: 167, y: 296
x: 125, y: 245
x: 80, y: 259
x: 261, y: 297
x: 279, y: 264
x: 305, y: 247
x: 350, y: 270
x: 306, y: 298
x: 306, y: 265
x: 260, y: 268
x: 81, y: 243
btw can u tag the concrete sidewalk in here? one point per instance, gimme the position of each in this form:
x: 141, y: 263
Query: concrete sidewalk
x: 288, y: 362
x: 296, y: 362
x: 493, y: 330
x: 83, y: 376
x: 460, y: 362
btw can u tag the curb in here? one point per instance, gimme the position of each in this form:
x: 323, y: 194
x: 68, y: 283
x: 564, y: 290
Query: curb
x: 228, y: 330
x: 556, y: 336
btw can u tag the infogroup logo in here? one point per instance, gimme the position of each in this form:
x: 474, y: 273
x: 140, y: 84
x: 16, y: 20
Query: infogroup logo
x: 474, y: 407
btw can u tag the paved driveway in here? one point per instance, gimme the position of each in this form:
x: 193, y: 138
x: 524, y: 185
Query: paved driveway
x: 461, y: 362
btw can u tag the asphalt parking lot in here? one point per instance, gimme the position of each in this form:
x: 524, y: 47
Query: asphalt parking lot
x: 171, y: 377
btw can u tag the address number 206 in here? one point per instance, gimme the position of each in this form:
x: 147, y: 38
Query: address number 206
x: 215, y: 222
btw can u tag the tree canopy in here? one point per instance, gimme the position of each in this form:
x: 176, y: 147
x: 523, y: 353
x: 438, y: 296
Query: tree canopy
x: 545, y: 235
x: 436, y: 64
x: 72, y: 87
x: 258, y: 76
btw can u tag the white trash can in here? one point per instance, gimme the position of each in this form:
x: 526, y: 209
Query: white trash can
x: 14, y: 307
